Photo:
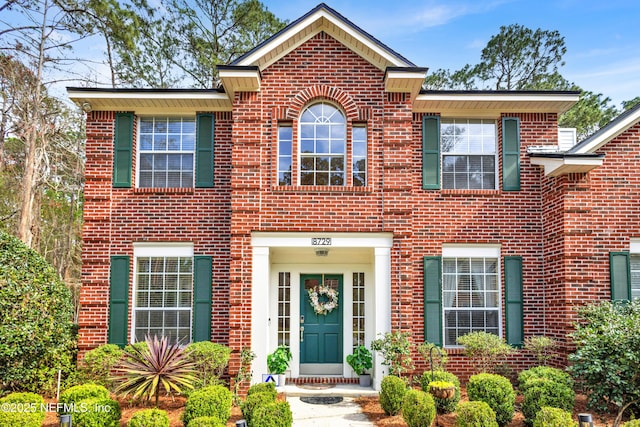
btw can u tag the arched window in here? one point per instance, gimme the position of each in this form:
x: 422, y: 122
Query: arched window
x: 322, y: 145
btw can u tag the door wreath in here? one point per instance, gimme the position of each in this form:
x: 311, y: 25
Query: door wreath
x: 323, y: 307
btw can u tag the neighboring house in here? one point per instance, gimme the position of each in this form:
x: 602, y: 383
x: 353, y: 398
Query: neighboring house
x: 209, y: 214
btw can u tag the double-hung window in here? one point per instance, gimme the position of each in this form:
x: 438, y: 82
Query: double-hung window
x: 635, y: 275
x: 166, y: 152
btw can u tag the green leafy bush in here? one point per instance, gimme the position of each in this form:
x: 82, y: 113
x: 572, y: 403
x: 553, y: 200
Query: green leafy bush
x: 553, y: 417
x: 263, y: 388
x: 206, y: 422
x: 418, y: 408
x: 632, y: 423
x: 254, y: 401
x: 541, y: 347
x: 276, y: 414
x: 210, y: 360
x: 22, y: 409
x: 542, y: 392
x: 36, y: 330
x: 553, y: 374
x: 98, y: 364
x: 486, y: 351
x: 210, y: 401
x: 149, y: 418
x: 96, y: 412
x: 443, y: 406
x: 475, y: 414
x: 392, y: 391
x: 395, y: 349
x: 278, y: 361
x: 497, y: 392
x: 75, y: 394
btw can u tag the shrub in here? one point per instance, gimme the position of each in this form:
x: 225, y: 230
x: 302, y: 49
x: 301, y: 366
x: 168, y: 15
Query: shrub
x: 276, y: 414
x: 149, y: 418
x: 541, y: 347
x: 418, y: 408
x: 443, y: 406
x: 24, y: 410
x: 96, y: 412
x: 75, y: 394
x: 254, y: 401
x: 97, y: 365
x: 497, y: 392
x: 210, y: 401
x: 485, y: 350
x: 544, y: 392
x: 263, y: 388
x: 553, y: 417
x: 36, y: 332
x: 632, y: 423
x: 206, y: 422
x: 553, y: 374
x: 392, y: 391
x: 395, y: 349
x: 475, y: 414
x: 210, y: 360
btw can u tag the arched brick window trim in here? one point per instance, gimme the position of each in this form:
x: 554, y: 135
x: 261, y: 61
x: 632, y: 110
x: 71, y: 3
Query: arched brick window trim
x: 313, y: 93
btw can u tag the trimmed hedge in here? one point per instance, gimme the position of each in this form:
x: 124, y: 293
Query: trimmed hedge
x: 497, y: 392
x: 96, y: 412
x: 553, y: 374
x: 475, y: 414
x: 211, y: 401
x: 149, y: 418
x: 418, y: 408
x: 263, y: 388
x: 443, y: 406
x: 253, y: 402
x: 97, y: 365
x: 553, y: 417
x: 206, y: 422
x: 392, y: 391
x: 77, y: 393
x: 276, y: 414
x: 24, y: 410
x: 543, y: 392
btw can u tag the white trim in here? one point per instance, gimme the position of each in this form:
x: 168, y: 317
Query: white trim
x: 634, y: 246
x: 338, y: 240
x: 497, y: 97
x: 470, y: 251
x: 162, y: 249
x: 556, y: 166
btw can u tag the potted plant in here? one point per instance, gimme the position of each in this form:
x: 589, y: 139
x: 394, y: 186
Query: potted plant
x: 442, y: 389
x: 360, y: 361
x: 278, y: 362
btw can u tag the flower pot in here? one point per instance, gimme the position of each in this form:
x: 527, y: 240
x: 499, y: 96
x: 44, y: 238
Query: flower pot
x: 281, y: 380
x: 442, y: 392
x: 365, y: 380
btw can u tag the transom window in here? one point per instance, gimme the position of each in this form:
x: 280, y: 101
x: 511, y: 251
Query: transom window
x: 468, y: 153
x: 166, y: 152
x: 471, y: 296
x: 322, y: 145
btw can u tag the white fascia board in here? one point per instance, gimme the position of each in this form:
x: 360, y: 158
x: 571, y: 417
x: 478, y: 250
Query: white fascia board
x: 557, y: 166
x: 610, y: 134
x: 338, y: 240
x: 79, y: 94
x: 497, y: 97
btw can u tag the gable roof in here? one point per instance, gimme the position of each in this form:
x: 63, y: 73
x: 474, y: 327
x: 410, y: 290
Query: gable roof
x: 322, y: 18
x: 614, y: 128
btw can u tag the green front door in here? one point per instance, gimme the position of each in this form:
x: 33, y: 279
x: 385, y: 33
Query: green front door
x: 320, y: 334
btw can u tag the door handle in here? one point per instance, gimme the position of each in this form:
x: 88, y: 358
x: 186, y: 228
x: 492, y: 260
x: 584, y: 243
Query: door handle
x: 301, y: 333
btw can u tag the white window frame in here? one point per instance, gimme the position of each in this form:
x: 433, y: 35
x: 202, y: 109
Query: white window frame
x: 140, y: 151
x: 634, y: 252
x: 164, y: 250
x: 474, y: 251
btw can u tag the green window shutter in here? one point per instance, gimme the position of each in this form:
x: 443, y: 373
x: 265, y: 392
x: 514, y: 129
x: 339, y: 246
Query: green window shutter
x: 431, y: 152
x: 118, y: 300
x: 511, y: 154
x: 202, y: 298
x: 619, y: 269
x: 433, y: 299
x: 513, y: 300
x: 123, y: 150
x: 205, y: 124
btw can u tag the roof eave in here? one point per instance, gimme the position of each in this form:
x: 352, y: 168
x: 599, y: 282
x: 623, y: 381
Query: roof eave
x: 557, y: 164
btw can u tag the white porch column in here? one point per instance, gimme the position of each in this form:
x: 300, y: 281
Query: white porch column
x: 382, y: 321
x: 260, y: 311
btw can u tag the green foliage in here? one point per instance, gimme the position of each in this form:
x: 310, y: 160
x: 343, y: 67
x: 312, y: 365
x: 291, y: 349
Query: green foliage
x: 589, y: 114
x: 418, y: 408
x: 149, y: 418
x: 81, y: 392
x: 276, y: 414
x: 497, y: 392
x: 607, y: 356
x: 210, y: 401
x: 541, y: 347
x: 475, y: 414
x: 96, y: 412
x: 360, y: 360
x: 209, y: 359
x: 553, y: 417
x: 553, y: 374
x: 632, y: 423
x: 485, y: 350
x: 263, y: 388
x: 543, y: 392
x: 36, y: 312
x: 22, y: 409
x: 254, y: 401
x: 438, y: 355
x: 395, y: 349
x: 278, y: 361
x: 98, y: 364
x: 392, y: 391
x: 206, y: 422
x: 163, y: 364
x: 244, y: 373
x: 444, y: 406
x: 628, y: 105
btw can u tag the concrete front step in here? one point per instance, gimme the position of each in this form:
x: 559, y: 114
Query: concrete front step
x: 318, y: 389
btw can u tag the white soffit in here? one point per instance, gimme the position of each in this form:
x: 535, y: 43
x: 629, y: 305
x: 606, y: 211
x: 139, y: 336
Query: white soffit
x: 562, y: 165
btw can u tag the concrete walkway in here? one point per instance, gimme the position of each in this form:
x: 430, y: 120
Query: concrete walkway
x: 343, y: 414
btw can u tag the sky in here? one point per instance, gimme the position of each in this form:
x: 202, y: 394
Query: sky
x: 602, y: 37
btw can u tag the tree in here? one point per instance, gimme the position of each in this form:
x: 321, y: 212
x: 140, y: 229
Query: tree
x: 607, y: 356
x: 627, y: 105
x: 589, y: 114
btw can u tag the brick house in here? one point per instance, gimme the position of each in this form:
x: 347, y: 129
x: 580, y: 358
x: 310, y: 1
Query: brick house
x: 320, y: 164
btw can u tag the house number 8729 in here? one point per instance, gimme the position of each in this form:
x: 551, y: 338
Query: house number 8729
x: 321, y: 241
